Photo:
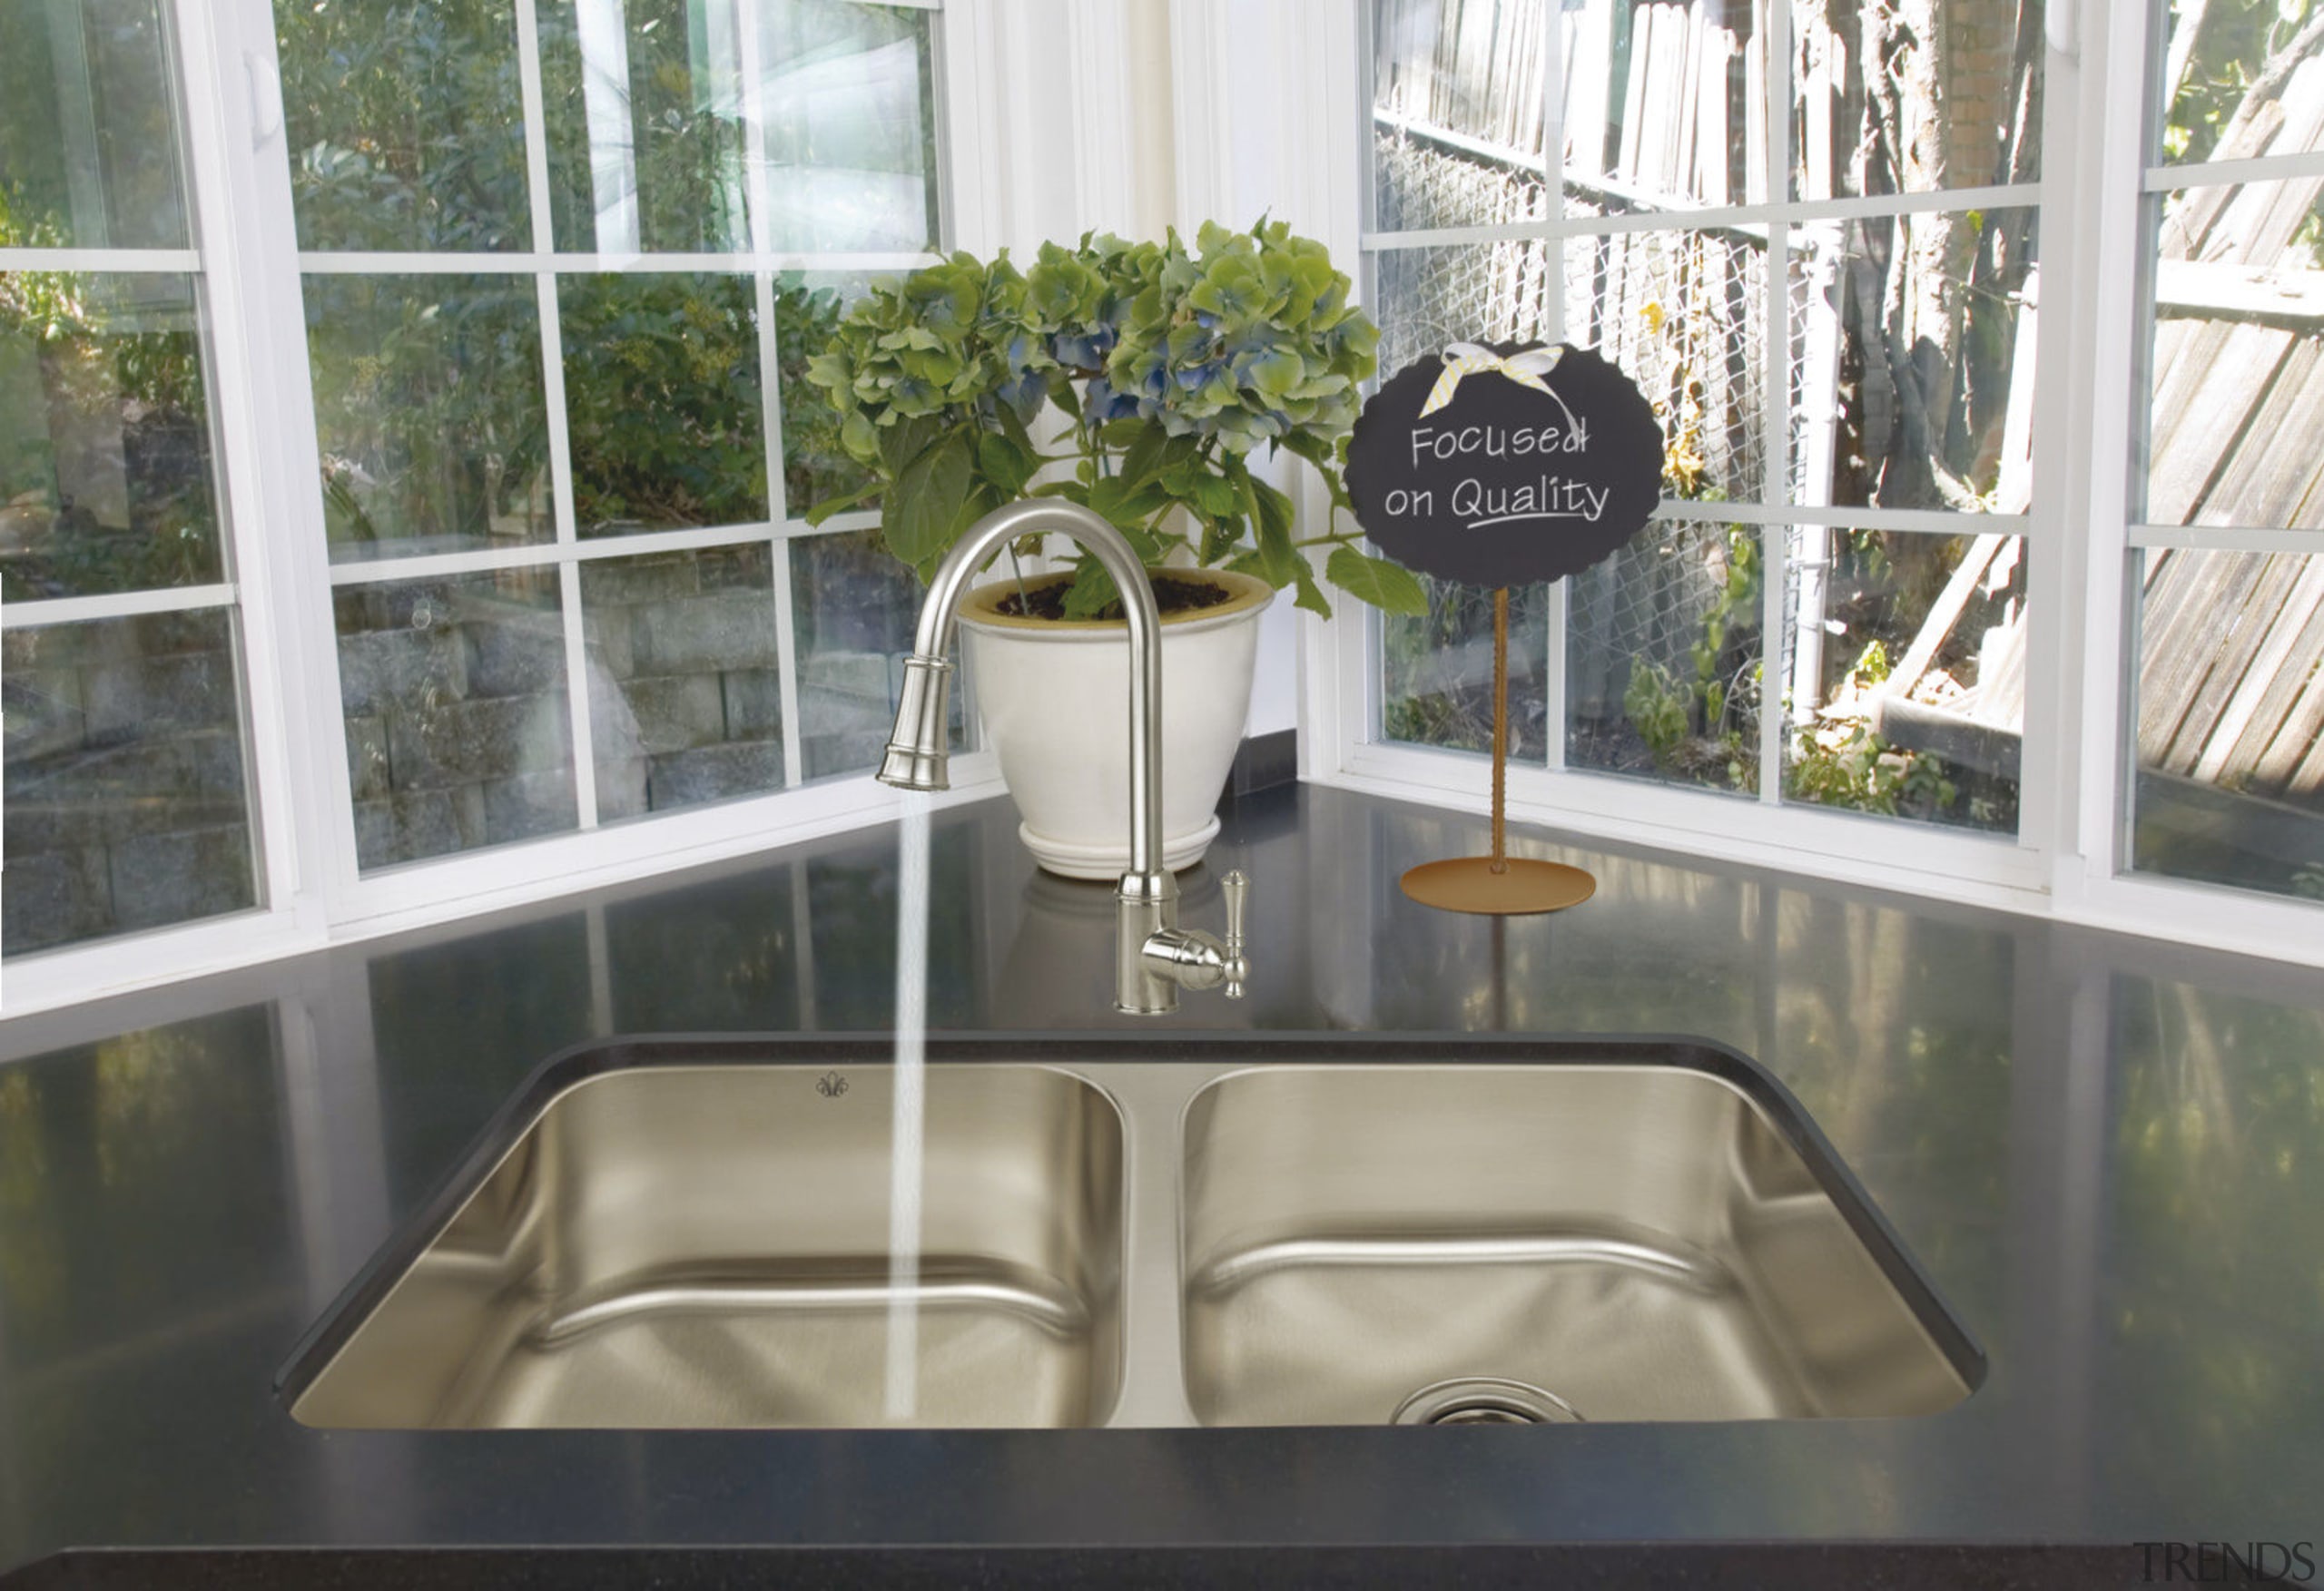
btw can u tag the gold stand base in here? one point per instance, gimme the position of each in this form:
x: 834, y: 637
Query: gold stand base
x: 1522, y: 887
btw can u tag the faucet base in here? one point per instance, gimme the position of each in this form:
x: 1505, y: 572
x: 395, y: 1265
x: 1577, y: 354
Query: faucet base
x: 1144, y: 905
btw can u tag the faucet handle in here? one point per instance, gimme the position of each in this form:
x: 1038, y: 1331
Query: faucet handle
x: 1237, y: 888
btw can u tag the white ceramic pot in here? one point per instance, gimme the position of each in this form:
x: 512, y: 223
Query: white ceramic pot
x: 1054, y: 699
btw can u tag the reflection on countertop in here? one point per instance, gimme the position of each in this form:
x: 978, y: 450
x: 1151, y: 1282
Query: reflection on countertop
x: 2104, y: 1150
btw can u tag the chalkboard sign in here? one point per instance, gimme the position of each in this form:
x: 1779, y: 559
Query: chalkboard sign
x: 1505, y: 463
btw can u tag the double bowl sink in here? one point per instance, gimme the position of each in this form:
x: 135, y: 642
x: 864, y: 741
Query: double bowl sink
x: 1104, y: 1230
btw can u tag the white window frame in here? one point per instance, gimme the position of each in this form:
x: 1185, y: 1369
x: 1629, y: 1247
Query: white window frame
x: 2093, y: 882
x: 2064, y: 861
x: 1018, y: 159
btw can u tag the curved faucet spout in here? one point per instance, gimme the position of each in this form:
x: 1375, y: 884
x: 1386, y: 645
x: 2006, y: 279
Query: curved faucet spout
x: 916, y: 752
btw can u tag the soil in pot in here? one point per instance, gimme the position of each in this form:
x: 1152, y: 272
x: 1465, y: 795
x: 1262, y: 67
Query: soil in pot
x: 1047, y: 600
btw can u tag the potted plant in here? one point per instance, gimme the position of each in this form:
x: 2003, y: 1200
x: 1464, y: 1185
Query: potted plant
x: 1136, y: 379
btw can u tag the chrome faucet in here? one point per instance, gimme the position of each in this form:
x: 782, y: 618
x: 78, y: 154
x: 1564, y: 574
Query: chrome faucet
x: 1154, y: 957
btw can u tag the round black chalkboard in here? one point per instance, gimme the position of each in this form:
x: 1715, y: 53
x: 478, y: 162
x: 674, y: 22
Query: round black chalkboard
x: 1525, y: 473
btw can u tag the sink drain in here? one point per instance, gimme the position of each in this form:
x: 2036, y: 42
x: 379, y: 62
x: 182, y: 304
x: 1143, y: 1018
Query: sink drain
x: 1485, y: 1401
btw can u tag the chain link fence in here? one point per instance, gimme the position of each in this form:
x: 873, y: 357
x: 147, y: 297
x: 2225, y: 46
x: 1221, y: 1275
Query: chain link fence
x: 1670, y: 625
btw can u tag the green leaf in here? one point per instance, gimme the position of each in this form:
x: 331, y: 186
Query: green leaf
x: 902, y: 446
x: 1385, y: 586
x: 828, y: 506
x: 1315, y: 450
x: 1215, y: 496
x: 1271, y: 517
x: 1311, y: 596
x: 1127, y: 504
x: 1007, y: 466
x: 980, y: 501
x: 1145, y: 454
x: 926, y: 501
x: 1013, y: 427
x: 1092, y: 591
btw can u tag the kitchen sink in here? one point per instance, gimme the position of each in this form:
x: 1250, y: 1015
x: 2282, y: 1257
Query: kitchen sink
x: 692, y: 1246
x: 1136, y: 1230
x: 1528, y: 1244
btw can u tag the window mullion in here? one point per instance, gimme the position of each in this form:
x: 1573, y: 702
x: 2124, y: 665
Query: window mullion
x: 786, y: 642
x: 1554, y: 694
x: 2259, y: 168
x: 2113, y: 365
x: 1775, y: 540
x: 122, y: 604
x: 750, y: 47
x: 568, y: 583
x: 271, y: 699
x: 560, y: 439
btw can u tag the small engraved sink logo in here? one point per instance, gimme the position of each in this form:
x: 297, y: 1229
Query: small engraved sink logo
x: 830, y: 1086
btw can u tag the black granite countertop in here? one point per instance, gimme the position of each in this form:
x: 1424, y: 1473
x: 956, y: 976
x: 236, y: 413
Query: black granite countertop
x: 2108, y: 1152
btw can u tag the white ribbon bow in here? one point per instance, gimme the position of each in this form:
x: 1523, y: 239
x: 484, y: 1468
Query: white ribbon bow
x: 1469, y: 358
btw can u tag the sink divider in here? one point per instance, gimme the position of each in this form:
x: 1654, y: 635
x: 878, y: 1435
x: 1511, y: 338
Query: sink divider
x: 1152, y: 1098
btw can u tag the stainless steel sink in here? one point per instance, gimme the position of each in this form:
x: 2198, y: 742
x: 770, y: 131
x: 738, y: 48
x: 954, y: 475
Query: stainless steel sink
x: 690, y: 1246
x: 1528, y: 1244
x: 1141, y: 1230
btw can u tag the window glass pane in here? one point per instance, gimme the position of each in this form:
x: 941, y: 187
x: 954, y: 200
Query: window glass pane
x: 1436, y: 672
x: 1456, y: 107
x: 1685, y: 315
x: 429, y: 412
x: 1905, y: 675
x: 807, y: 310
x: 646, y: 133
x: 685, y: 687
x: 1427, y: 298
x: 1662, y: 658
x: 849, y: 97
x: 2242, y: 79
x: 88, y: 127
x: 1914, y: 96
x: 2230, y: 720
x: 853, y: 609
x: 1913, y: 369
x: 1664, y: 105
x: 126, y: 801
x: 2238, y: 357
x: 106, y: 482
x: 662, y: 399
x: 405, y: 123
x: 454, y: 691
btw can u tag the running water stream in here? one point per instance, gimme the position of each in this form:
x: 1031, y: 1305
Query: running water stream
x: 906, y: 1135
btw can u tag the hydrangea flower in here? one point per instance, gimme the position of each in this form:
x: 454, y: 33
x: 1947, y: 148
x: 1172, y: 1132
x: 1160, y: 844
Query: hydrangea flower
x: 1246, y: 339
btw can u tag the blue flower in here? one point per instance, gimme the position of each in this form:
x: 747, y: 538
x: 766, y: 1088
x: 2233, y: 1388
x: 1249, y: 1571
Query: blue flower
x: 1085, y: 350
x: 1026, y: 394
x: 1103, y: 403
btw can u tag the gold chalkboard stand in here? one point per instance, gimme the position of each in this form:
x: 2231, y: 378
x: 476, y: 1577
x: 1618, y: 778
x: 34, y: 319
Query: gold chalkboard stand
x: 1498, y: 885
